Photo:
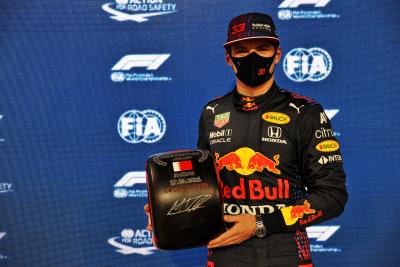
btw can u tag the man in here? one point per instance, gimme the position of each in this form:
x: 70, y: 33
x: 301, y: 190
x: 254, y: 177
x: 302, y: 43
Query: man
x: 278, y: 161
x: 279, y: 164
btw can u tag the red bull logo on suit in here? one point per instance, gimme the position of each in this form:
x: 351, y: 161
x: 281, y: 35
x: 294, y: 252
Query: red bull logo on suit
x: 246, y: 161
x: 292, y: 214
x: 257, y: 190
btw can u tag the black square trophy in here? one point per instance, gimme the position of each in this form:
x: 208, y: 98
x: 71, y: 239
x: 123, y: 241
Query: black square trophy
x: 185, y: 200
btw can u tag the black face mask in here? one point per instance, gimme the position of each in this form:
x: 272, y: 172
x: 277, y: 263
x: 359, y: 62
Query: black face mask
x: 253, y: 69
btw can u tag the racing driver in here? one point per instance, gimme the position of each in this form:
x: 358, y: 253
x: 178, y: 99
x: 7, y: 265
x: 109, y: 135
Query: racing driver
x: 279, y: 163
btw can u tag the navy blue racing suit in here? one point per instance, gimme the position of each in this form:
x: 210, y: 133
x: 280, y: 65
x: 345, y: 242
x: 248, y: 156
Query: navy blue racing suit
x: 276, y: 155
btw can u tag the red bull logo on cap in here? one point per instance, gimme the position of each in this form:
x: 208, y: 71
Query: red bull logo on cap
x: 246, y: 161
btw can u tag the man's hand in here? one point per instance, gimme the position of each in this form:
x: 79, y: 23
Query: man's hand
x: 243, y: 229
x: 147, y: 211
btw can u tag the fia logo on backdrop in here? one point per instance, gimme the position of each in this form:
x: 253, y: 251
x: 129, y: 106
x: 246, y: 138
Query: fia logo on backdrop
x: 138, y: 10
x: 147, y: 126
x: 313, y: 64
x: 145, y: 66
x: 304, y: 9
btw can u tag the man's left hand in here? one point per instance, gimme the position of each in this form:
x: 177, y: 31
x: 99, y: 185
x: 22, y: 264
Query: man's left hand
x: 243, y: 229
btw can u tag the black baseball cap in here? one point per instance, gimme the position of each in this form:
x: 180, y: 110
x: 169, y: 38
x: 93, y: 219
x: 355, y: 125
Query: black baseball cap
x: 250, y: 26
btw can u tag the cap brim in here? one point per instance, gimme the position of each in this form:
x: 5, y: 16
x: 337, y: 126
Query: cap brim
x: 254, y: 37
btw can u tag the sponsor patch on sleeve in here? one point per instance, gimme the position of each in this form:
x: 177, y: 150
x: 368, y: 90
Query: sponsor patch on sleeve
x: 328, y: 146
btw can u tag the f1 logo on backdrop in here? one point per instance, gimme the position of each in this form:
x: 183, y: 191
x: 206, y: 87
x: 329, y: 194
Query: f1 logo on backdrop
x: 322, y: 233
x: 138, y: 10
x: 297, y: 3
x: 125, y: 187
x: 319, y: 236
x: 131, y: 178
x: 150, y: 62
x: 305, y: 9
x: 313, y: 64
x: 147, y: 126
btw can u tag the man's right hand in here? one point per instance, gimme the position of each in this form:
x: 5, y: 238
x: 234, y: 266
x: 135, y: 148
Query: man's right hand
x: 147, y: 211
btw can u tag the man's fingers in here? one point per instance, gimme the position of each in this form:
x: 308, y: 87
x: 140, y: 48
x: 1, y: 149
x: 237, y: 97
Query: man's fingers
x: 219, y: 239
x: 230, y: 240
x: 235, y: 235
x: 230, y: 218
x: 223, y: 237
x: 147, y: 208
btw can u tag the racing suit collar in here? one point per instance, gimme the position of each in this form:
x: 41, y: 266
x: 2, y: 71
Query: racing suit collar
x: 247, y: 104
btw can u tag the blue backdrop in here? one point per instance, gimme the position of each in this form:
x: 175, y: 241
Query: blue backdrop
x: 89, y: 89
